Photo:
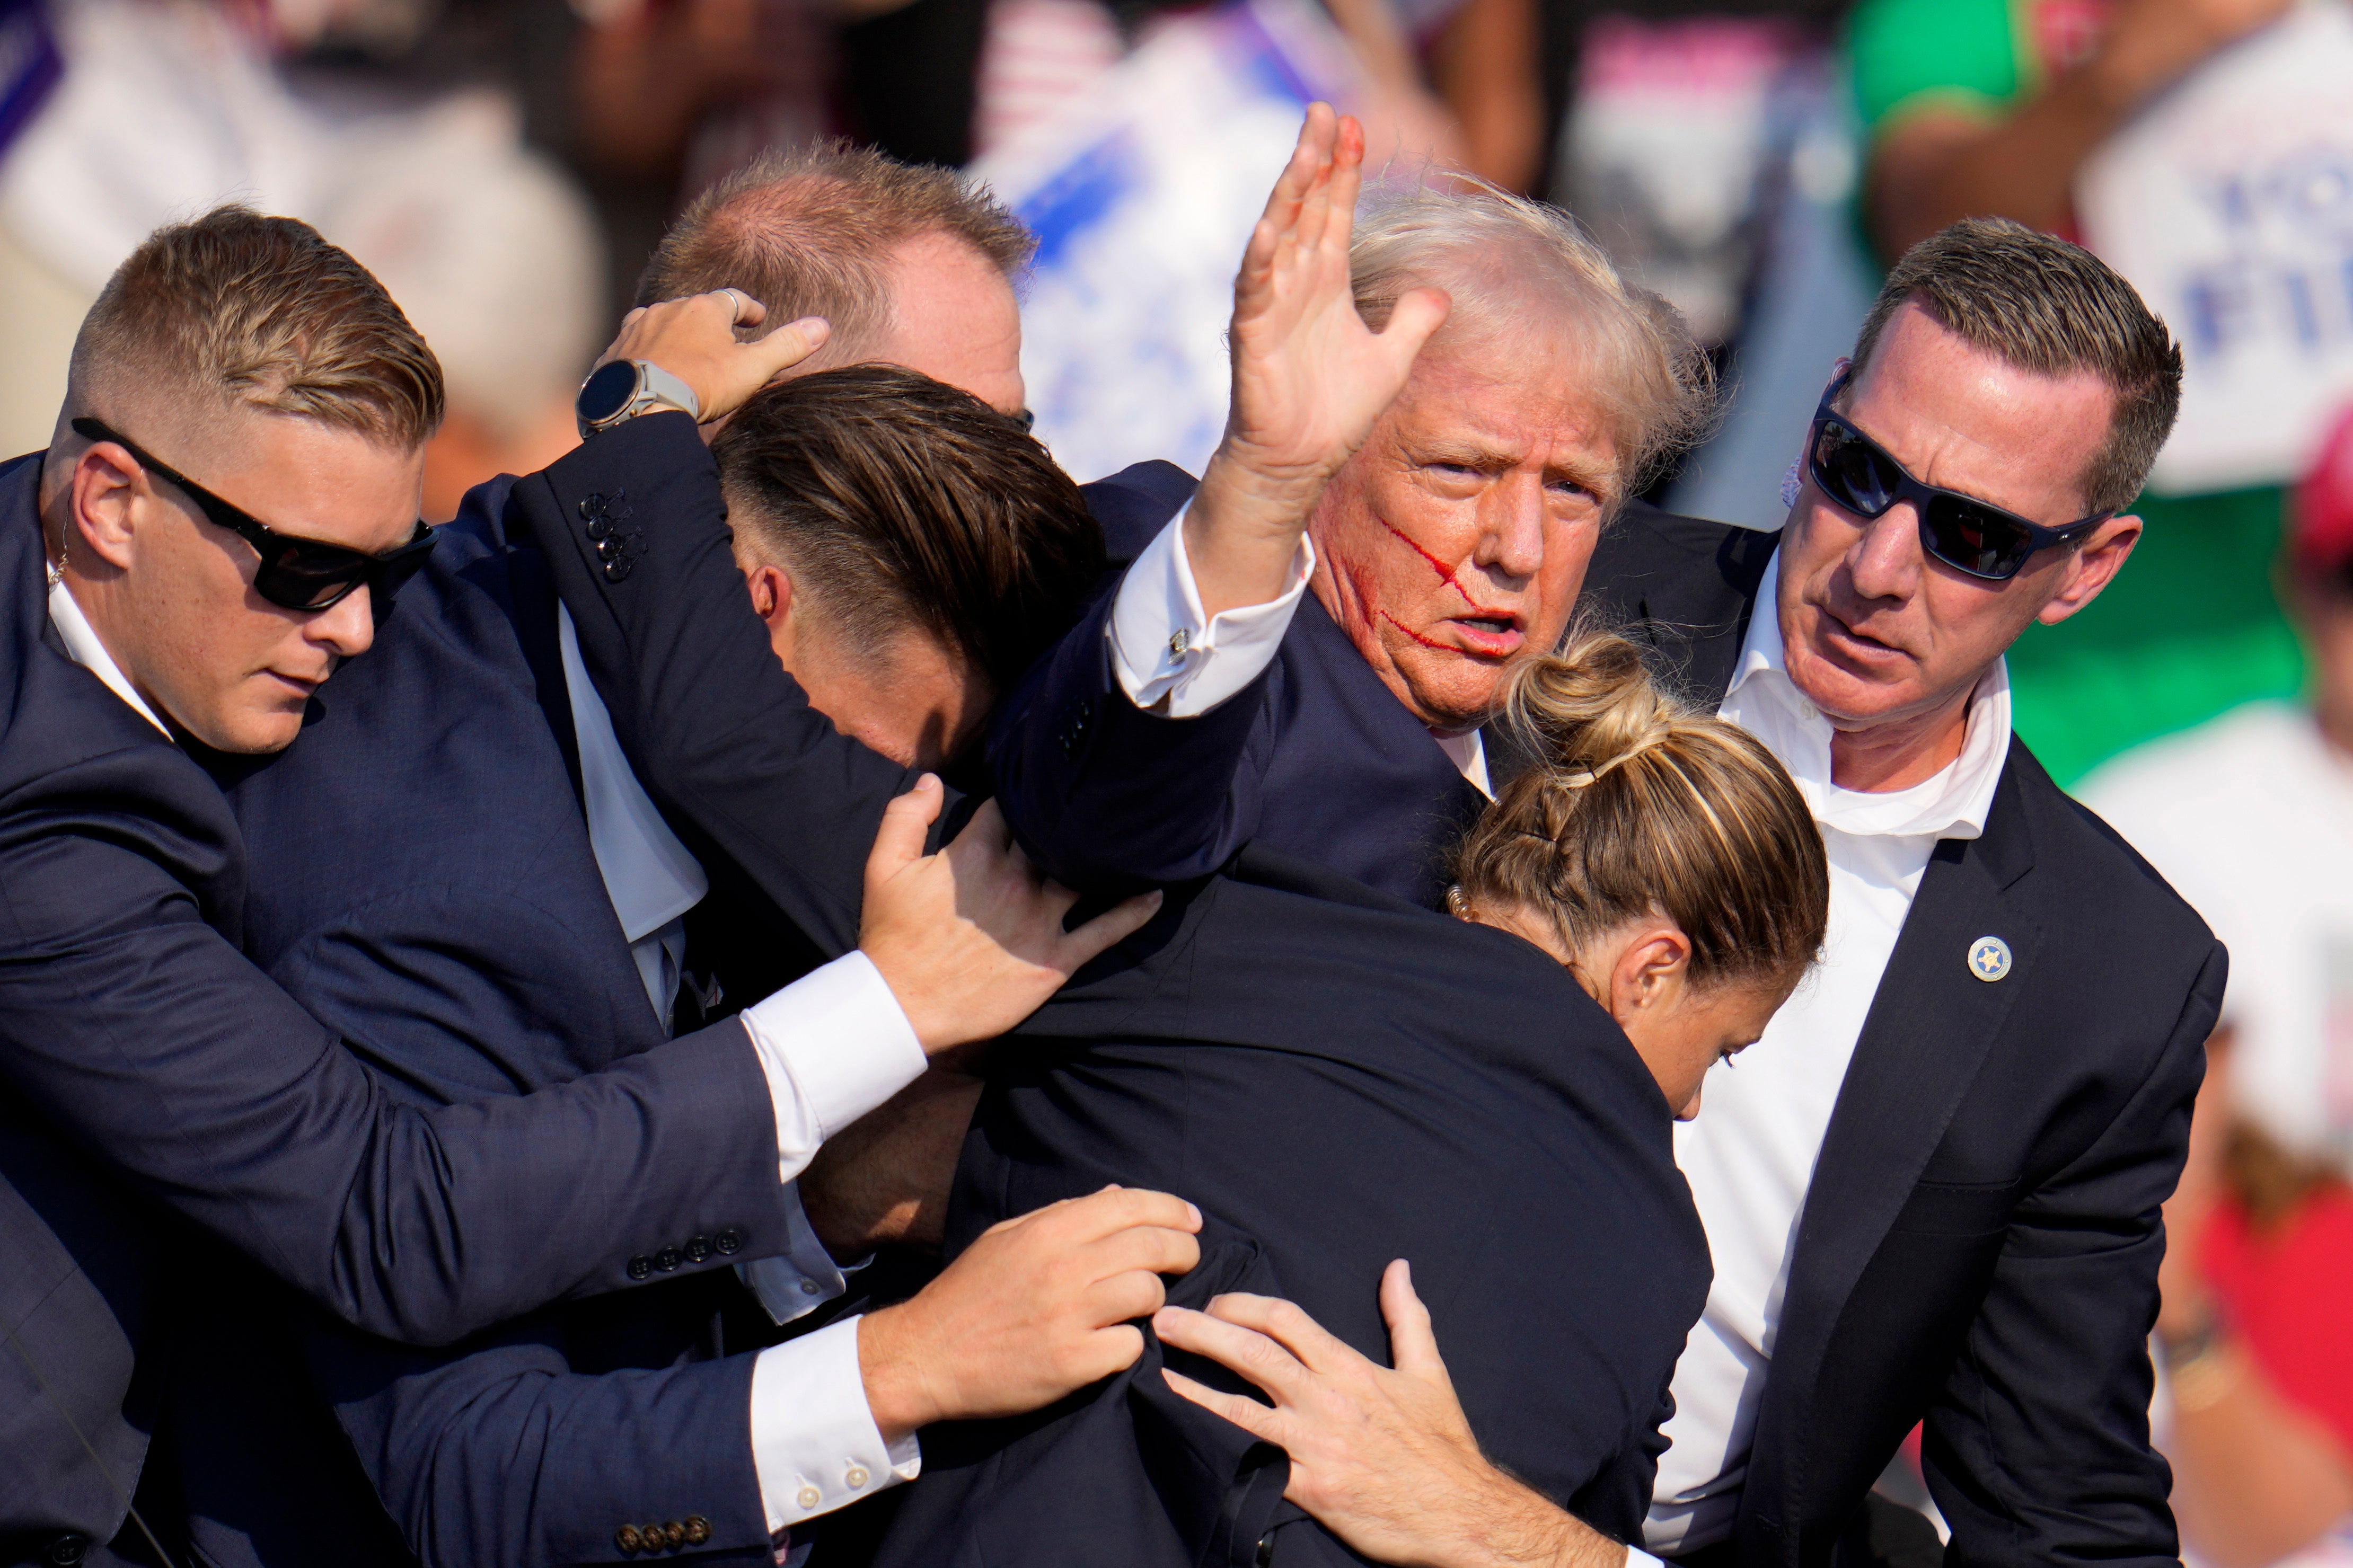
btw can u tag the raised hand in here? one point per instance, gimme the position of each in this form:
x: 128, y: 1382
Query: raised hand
x: 694, y: 340
x: 970, y: 940
x: 1310, y: 378
x: 1038, y: 1307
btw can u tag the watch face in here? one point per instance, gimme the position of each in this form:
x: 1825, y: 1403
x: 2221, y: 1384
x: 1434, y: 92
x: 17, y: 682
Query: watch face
x: 608, y: 391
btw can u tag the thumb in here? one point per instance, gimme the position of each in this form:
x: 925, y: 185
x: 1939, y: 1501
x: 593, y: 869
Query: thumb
x: 787, y: 345
x: 1417, y: 314
x: 899, y: 842
x: 1413, y: 1346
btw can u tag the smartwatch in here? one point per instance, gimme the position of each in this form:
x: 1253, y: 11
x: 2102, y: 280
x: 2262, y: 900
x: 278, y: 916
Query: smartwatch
x: 627, y: 388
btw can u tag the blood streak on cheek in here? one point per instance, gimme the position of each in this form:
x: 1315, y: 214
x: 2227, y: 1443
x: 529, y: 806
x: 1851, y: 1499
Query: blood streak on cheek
x: 1445, y: 575
x: 1424, y: 641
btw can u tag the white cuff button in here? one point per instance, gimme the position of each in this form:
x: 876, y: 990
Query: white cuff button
x: 856, y: 1476
x: 809, y: 1497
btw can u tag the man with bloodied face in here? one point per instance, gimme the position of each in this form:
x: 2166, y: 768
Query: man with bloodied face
x: 1325, y: 695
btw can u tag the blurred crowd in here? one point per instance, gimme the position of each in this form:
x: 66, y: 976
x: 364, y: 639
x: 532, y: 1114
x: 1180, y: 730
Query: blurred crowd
x: 505, y: 166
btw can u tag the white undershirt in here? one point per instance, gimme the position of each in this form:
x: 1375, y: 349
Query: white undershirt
x: 831, y: 1047
x: 1749, y: 1155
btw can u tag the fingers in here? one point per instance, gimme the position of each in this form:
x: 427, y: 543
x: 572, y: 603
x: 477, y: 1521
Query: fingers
x: 1289, y: 1327
x: 1252, y: 1417
x: 1079, y: 1221
x: 1242, y: 1351
x: 1347, y: 178
x: 1124, y: 1298
x: 1419, y: 312
x: 1114, y: 925
x: 1413, y: 1345
x: 906, y: 821
x: 787, y: 346
x: 1149, y: 1249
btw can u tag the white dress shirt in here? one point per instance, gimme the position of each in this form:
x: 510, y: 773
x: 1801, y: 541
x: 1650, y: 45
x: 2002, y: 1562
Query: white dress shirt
x: 1749, y: 1155
x: 1171, y: 658
x: 833, y: 1045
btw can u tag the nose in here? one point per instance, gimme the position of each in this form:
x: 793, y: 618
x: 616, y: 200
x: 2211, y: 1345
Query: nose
x: 346, y: 627
x: 1512, y: 543
x: 1883, y: 561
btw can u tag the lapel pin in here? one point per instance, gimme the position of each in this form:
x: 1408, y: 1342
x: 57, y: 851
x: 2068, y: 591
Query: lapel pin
x: 1989, y: 958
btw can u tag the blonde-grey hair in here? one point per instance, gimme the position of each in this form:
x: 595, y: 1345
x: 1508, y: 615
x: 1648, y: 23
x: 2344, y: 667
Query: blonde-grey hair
x: 1498, y: 254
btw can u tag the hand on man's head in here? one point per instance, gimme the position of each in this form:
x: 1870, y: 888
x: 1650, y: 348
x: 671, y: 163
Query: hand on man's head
x: 1039, y: 1306
x: 694, y: 340
x: 970, y: 940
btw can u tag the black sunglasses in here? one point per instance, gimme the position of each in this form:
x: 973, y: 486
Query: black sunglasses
x: 1964, y: 532
x: 295, y: 573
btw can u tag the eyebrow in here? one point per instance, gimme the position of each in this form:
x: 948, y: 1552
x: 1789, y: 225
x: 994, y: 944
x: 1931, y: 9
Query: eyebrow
x: 1486, y: 459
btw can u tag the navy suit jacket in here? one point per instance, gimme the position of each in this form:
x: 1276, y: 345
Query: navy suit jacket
x: 479, y: 955
x: 1336, y: 1077
x: 154, y: 1076
x: 1315, y: 758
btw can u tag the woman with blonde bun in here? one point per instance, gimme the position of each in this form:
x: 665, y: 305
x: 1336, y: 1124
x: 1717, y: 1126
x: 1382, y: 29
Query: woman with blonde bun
x: 1338, y: 1078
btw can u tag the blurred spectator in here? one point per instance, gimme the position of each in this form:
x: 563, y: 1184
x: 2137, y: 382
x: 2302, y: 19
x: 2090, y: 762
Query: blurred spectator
x: 2250, y: 817
x: 1983, y: 107
x: 167, y: 107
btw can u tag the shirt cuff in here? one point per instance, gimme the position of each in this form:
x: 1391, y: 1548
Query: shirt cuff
x: 1172, y: 659
x: 833, y: 1045
x: 814, y: 1446
x: 803, y: 1278
x: 1635, y: 1557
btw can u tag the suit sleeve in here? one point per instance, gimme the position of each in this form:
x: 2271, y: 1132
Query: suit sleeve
x: 635, y: 530
x: 137, y: 1032
x: 499, y: 1456
x: 2037, y: 1449
x: 1108, y: 798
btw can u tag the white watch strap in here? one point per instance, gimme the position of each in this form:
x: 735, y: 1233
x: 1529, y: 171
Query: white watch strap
x: 661, y: 387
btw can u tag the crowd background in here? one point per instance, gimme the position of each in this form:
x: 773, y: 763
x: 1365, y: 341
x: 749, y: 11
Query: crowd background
x: 505, y: 166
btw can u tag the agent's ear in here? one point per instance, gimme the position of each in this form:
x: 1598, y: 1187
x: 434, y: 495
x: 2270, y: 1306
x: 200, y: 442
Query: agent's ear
x: 2097, y: 560
x: 1649, y: 972
x: 98, y: 518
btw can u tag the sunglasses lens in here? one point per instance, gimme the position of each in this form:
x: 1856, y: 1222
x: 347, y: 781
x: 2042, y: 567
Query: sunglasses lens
x: 1851, y: 472
x: 1976, y: 538
x: 310, y: 577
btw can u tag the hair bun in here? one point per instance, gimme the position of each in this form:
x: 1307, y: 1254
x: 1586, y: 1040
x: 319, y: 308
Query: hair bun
x: 1590, y: 708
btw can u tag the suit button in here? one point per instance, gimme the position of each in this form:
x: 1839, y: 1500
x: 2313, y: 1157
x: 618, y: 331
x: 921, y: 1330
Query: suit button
x: 666, y: 1260
x: 67, y: 1550
x: 628, y: 1538
x: 698, y: 1247
x: 807, y: 1497
x: 591, y: 505
x: 698, y: 1530
x: 616, y: 571
x: 728, y: 1242
x: 640, y: 1266
x: 675, y: 1533
x: 599, y: 527
x: 855, y: 1477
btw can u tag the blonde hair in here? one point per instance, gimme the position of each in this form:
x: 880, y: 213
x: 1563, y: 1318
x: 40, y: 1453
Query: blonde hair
x: 1639, y: 806
x: 236, y: 309
x: 1498, y: 255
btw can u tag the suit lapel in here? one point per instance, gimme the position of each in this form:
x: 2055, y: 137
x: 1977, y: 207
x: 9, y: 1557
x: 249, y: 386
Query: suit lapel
x: 1931, y: 1024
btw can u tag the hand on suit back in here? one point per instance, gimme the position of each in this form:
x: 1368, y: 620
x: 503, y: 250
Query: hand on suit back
x: 1384, y: 1460
x: 694, y: 340
x: 970, y: 940
x: 1039, y: 1306
x: 1310, y: 377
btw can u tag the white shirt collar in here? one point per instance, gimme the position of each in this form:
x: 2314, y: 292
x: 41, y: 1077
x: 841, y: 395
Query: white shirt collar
x: 1766, y: 702
x: 651, y: 878
x: 84, y: 648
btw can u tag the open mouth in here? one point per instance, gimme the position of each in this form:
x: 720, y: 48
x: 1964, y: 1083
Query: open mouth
x: 1491, y: 636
